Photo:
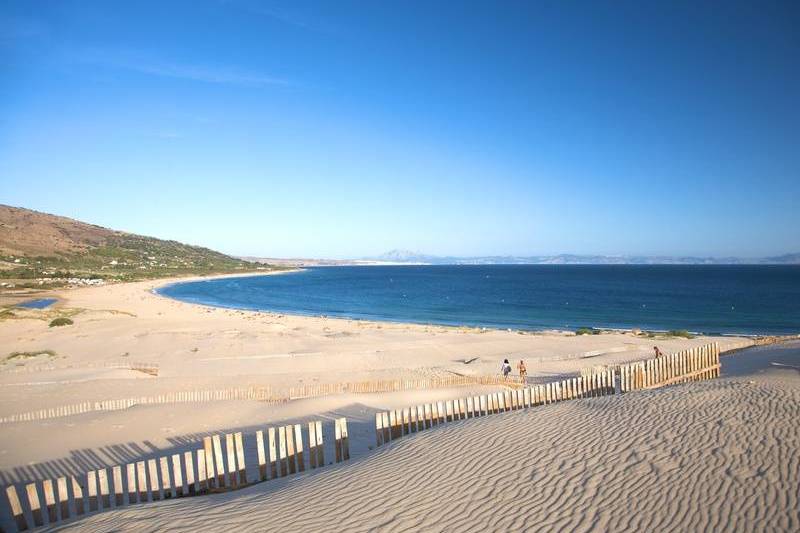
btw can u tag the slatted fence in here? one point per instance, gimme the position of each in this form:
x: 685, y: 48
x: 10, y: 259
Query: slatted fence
x: 689, y: 365
x: 287, y: 450
x: 214, y: 467
x: 261, y: 394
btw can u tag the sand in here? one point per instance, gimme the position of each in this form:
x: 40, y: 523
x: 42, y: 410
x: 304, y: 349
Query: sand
x: 719, y: 455
x: 198, y: 347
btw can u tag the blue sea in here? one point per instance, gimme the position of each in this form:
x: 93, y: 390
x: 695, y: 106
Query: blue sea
x: 698, y: 298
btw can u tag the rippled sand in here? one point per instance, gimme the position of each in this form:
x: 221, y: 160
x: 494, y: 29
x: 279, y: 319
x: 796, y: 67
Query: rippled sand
x: 709, y: 456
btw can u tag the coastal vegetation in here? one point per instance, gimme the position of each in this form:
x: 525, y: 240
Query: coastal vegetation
x: 61, y: 321
x: 28, y: 355
x: 38, y: 250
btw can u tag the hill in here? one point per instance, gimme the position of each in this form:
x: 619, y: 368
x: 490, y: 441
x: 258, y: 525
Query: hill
x: 40, y: 245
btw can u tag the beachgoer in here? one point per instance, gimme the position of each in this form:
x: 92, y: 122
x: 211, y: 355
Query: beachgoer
x: 505, y: 368
x: 658, y: 352
x: 523, y: 372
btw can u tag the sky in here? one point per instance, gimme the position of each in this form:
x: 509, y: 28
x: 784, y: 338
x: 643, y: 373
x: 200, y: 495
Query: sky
x: 347, y: 129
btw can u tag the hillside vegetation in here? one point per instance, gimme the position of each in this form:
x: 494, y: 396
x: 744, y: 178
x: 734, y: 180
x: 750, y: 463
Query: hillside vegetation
x: 41, y: 247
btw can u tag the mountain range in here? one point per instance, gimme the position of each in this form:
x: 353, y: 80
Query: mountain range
x: 409, y: 257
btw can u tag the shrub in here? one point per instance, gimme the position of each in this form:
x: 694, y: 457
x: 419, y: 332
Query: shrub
x: 680, y: 333
x: 62, y: 321
x: 583, y: 331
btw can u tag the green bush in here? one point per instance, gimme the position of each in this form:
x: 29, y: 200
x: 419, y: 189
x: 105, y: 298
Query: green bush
x: 62, y: 321
x: 583, y: 331
x: 680, y: 333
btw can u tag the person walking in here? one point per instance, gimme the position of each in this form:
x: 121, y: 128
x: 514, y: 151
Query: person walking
x: 505, y: 368
x: 523, y: 372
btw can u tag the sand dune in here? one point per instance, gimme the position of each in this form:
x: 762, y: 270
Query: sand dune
x: 719, y: 455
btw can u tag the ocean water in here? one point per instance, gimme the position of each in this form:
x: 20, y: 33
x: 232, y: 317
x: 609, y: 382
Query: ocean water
x: 698, y: 298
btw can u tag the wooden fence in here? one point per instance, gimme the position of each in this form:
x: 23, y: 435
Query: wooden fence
x: 689, y: 365
x: 147, y: 368
x: 261, y: 394
x: 214, y: 467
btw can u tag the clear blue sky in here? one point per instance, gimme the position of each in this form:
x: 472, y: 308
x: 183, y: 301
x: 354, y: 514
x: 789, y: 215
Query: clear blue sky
x: 344, y: 129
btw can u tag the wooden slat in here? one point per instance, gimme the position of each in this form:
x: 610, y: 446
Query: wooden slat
x: 387, y: 429
x: 262, y: 456
x: 378, y: 430
x: 312, y: 440
x: 141, y: 480
x: 16, y: 508
x: 116, y: 475
x: 49, y: 500
x: 238, y: 441
x: 34, y: 504
x: 177, y: 475
x: 105, y: 494
x: 77, y: 496
x: 202, y: 475
x: 393, y: 424
x: 345, y: 440
x: 320, y: 445
x: 208, y: 454
x: 166, y: 484
x: 413, y: 419
x: 284, y: 463
x: 152, y: 473
x: 337, y: 440
x: 91, y: 490
x: 231, y: 457
x: 298, y: 448
x: 190, y: 479
x: 63, y: 497
x: 273, y: 454
x: 291, y: 458
x: 219, y: 463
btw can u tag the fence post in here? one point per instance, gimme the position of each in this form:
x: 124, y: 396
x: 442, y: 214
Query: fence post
x: 187, y: 459
x: 16, y: 508
x: 218, y: 461
x: 378, y: 430
x: 320, y: 445
x: 202, y: 476
x: 141, y: 479
x: 35, y: 504
x: 116, y: 474
x: 238, y: 440
x: 312, y: 441
x: 152, y: 471
x: 63, y: 497
x: 262, y: 457
x: 298, y: 449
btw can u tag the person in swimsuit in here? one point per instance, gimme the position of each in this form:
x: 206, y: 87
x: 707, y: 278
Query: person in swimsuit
x: 659, y: 353
x: 523, y: 372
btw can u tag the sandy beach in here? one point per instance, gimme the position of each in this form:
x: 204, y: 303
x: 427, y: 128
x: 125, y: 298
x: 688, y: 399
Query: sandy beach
x: 197, y: 347
x: 718, y: 455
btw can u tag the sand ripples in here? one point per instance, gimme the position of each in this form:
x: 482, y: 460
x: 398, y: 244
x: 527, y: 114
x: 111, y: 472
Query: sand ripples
x: 705, y: 456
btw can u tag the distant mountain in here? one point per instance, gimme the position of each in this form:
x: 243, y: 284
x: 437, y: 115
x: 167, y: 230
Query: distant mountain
x: 408, y: 257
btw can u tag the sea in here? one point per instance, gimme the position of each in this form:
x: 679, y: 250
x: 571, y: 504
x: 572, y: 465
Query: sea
x: 710, y: 299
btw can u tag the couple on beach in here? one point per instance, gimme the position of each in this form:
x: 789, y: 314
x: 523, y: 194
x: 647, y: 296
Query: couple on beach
x: 505, y: 368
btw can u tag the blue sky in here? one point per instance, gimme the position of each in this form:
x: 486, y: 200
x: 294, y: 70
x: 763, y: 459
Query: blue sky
x: 346, y: 129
